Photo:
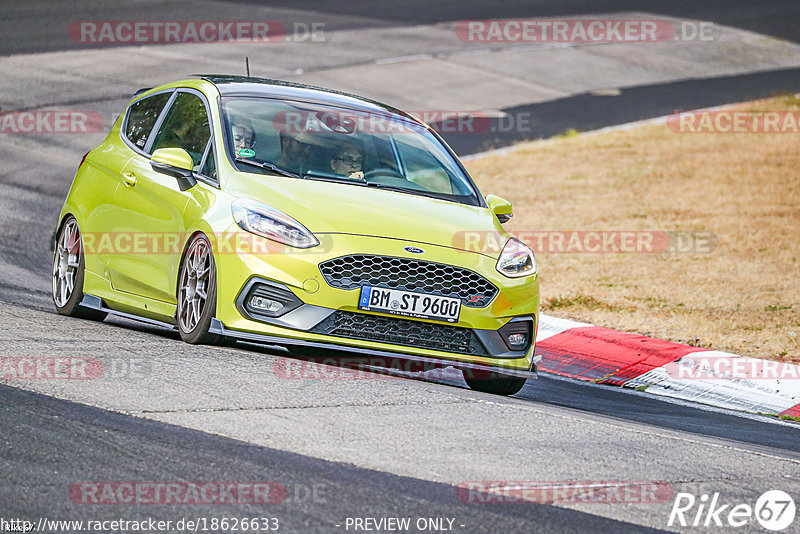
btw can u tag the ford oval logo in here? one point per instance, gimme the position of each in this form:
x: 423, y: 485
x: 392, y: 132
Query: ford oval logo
x: 414, y: 250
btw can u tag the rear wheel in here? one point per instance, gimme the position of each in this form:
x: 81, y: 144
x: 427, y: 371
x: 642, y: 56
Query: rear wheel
x: 68, y: 273
x: 494, y: 383
x: 197, y: 292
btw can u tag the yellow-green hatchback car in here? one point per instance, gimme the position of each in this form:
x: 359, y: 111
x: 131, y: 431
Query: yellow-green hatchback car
x: 291, y: 215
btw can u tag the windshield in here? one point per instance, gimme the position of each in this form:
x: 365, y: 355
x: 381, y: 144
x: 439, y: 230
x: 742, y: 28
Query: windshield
x: 311, y: 141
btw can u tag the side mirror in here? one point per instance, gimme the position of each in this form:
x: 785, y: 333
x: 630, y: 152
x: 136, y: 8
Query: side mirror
x: 175, y: 162
x: 500, y: 207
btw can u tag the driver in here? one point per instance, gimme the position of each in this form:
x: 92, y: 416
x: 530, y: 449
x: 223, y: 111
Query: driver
x: 348, y: 161
x: 294, y: 153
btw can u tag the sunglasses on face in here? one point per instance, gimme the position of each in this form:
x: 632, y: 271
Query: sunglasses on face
x: 348, y: 160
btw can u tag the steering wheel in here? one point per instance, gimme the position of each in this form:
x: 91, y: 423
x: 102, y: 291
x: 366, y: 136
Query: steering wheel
x: 373, y: 175
x: 386, y: 176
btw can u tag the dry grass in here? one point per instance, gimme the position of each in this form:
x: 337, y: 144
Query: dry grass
x: 742, y: 297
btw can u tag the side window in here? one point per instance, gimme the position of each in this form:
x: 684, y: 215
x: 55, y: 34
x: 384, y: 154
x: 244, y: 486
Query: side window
x: 185, y: 126
x: 142, y: 117
x: 209, y: 167
x: 385, y: 156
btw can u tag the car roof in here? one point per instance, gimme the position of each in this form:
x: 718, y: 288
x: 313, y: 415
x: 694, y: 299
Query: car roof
x: 229, y: 85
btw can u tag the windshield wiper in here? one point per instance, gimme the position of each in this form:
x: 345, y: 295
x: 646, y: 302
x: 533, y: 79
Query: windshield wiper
x: 400, y: 189
x: 311, y: 175
x: 268, y: 166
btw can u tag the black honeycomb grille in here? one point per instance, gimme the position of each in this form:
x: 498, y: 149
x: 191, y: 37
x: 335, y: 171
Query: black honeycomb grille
x: 406, y: 332
x: 351, y: 272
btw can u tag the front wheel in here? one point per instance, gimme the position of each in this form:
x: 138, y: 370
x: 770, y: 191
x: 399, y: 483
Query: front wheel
x: 68, y: 273
x: 197, y: 293
x: 494, y: 383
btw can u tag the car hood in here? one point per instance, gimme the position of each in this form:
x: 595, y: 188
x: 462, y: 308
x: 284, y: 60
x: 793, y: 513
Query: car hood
x: 329, y: 207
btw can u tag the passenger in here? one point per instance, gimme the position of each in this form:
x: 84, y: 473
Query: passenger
x: 348, y: 161
x: 244, y: 136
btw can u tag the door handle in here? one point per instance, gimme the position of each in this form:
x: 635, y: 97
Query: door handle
x: 129, y: 178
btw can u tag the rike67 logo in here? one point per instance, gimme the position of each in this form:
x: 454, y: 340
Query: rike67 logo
x: 774, y: 510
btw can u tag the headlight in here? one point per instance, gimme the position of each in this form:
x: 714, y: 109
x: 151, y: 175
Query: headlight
x: 266, y: 221
x: 516, y: 260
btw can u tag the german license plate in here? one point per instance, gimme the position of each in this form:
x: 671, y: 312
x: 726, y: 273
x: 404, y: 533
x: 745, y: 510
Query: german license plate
x: 409, y: 304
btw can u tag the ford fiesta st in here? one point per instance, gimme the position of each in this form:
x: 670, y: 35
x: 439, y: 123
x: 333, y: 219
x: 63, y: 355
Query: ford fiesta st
x: 292, y: 215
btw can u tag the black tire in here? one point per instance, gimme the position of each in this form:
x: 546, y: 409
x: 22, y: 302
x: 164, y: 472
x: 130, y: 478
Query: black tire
x: 194, y: 317
x: 494, y: 383
x: 69, y: 266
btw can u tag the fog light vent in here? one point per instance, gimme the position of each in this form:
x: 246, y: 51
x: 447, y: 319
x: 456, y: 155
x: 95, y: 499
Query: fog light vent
x: 269, y: 301
x: 517, y: 335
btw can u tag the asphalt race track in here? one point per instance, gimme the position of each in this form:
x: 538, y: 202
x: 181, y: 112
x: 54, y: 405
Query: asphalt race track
x: 375, y: 446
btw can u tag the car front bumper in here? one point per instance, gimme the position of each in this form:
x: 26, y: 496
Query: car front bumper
x: 311, y: 323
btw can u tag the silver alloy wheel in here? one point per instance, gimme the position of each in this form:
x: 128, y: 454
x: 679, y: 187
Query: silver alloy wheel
x: 65, y: 263
x: 194, y: 285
